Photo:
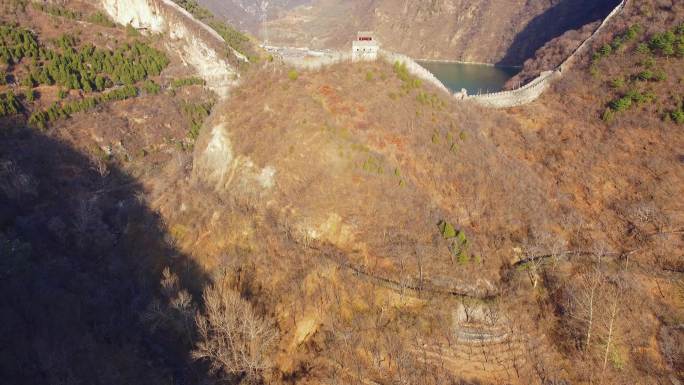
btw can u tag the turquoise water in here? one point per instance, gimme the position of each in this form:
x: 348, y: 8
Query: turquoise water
x: 476, y: 78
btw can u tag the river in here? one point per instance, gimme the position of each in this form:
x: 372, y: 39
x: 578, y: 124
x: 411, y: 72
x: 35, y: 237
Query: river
x: 476, y: 78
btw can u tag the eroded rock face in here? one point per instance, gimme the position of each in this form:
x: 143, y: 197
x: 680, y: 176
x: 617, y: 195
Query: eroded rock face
x: 213, y: 163
x: 138, y: 13
x: 198, y: 45
x: 216, y: 165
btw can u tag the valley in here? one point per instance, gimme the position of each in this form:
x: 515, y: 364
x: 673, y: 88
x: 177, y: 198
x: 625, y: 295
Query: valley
x: 180, y: 205
x: 440, y: 30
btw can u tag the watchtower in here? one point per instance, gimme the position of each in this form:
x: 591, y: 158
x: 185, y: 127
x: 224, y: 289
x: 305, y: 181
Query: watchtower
x: 365, y: 47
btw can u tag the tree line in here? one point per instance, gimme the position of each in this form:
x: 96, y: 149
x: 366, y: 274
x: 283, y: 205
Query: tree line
x: 71, y: 65
x: 40, y: 119
x: 83, y: 67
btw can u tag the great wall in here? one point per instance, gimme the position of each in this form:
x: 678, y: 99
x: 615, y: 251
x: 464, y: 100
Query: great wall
x: 303, y: 58
x: 204, y: 49
x: 535, y: 88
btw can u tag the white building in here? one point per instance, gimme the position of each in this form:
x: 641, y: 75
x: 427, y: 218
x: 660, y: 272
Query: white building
x: 365, y: 47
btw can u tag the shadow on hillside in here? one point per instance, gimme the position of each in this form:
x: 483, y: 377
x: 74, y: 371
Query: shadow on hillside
x: 81, y: 258
x: 564, y: 16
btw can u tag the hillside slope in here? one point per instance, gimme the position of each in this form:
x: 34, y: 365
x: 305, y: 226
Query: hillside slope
x: 344, y: 225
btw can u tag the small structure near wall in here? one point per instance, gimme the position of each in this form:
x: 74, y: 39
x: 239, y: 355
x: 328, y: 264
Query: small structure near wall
x: 365, y: 47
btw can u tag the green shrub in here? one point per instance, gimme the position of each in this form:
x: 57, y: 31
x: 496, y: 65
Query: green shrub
x: 622, y: 104
x: 678, y: 116
x: 151, y: 88
x: 594, y: 70
x: 370, y: 76
x: 293, y: 75
x: 616, y: 359
x: 183, y: 82
x: 660, y: 76
x: 30, y: 95
x: 679, y: 30
x: 101, y: 19
x: 643, y: 49
x: 633, y: 32
x: 608, y: 115
x: 62, y: 94
x: 373, y: 165
x: 57, y: 10
x: 431, y: 100
x: 447, y: 229
x: 9, y: 104
x: 86, y: 68
x: 648, y: 62
x: 606, y: 50
x: 640, y: 98
x: 40, y: 119
x: 616, y: 44
x: 617, y: 83
x: 602, y: 52
x: 196, y: 114
x: 131, y: 31
x: 458, y: 242
x: 619, y: 41
x: 401, y: 71
x: 17, y: 43
x: 645, y: 75
x: 28, y: 81
x: 664, y: 43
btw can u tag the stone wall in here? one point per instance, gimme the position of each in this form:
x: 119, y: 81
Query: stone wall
x: 305, y: 59
x: 518, y: 97
x: 533, y: 90
x: 199, y: 45
x: 413, y: 68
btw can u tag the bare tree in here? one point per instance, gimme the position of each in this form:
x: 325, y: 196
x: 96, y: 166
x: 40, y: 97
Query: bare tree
x: 232, y: 337
x: 174, y: 311
x: 545, y: 246
x: 585, y: 301
x: 616, y: 295
x: 492, y: 313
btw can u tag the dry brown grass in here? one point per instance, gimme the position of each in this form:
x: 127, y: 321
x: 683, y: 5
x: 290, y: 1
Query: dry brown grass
x: 344, y: 251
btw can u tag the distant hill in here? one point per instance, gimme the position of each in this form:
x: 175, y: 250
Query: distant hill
x: 249, y: 14
x: 493, y: 31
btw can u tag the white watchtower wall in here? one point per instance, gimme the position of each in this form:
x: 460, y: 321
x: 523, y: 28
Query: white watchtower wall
x: 365, y: 47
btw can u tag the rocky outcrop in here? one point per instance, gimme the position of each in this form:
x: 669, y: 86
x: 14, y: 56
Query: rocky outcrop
x: 217, y: 166
x: 199, y: 46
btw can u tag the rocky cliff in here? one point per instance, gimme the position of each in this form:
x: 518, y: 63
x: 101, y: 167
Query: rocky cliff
x: 201, y: 47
